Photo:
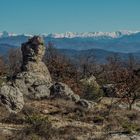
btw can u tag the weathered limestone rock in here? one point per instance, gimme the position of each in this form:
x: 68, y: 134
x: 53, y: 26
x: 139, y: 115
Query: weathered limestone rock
x: 34, y: 81
x: 39, y: 91
x: 12, y: 98
x: 33, y: 85
x: 61, y: 90
x: 33, y: 52
x: 84, y: 103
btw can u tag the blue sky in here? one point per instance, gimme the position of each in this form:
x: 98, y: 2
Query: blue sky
x: 40, y: 16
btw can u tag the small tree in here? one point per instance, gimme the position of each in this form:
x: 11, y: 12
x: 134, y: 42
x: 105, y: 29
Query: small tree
x: 14, y: 61
x: 128, y: 88
x: 128, y: 85
x: 2, y: 66
x: 122, y: 76
x: 61, y: 68
x: 87, y: 65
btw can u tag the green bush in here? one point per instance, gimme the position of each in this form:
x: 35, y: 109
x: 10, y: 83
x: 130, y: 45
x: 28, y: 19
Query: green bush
x: 38, y: 126
x: 92, y: 93
x: 98, y: 119
x: 1, y: 81
x: 130, y: 127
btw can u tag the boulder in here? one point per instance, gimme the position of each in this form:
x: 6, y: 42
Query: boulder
x: 84, y: 103
x: 61, y: 90
x: 39, y: 91
x: 12, y: 98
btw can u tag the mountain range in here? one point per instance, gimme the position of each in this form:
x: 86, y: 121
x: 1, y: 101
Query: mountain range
x: 95, y: 35
x: 101, y: 43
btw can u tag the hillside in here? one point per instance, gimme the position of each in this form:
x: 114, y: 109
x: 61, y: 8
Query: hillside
x: 120, y: 41
x: 95, y: 54
x: 98, y: 55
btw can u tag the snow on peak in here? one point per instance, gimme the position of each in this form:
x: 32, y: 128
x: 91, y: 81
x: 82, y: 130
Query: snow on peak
x: 91, y: 34
x: 27, y: 35
x: 6, y: 34
x: 95, y: 35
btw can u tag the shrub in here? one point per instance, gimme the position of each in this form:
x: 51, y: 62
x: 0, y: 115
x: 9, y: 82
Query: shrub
x: 14, y: 119
x: 2, y: 80
x: 92, y: 93
x: 130, y: 127
x: 38, y: 127
x: 98, y: 119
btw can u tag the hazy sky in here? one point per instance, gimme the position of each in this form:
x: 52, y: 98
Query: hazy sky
x: 40, y: 16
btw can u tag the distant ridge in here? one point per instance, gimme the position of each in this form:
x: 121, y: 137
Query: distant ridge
x: 97, y: 35
x: 120, y: 41
x: 116, y: 34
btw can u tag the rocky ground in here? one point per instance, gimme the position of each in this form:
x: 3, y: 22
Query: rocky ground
x: 64, y: 120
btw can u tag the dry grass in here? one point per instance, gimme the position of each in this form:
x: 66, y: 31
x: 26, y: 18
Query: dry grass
x: 60, y: 119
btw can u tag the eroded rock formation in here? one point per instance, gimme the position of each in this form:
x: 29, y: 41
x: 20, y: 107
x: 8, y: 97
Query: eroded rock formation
x: 34, y: 80
x: 32, y: 53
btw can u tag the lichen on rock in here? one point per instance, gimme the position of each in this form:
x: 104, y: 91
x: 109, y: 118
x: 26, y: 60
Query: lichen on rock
x: 11, y: 97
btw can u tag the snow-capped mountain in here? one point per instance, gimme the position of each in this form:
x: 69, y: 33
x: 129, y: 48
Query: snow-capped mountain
x: 120, y: 41
x: 6, y: 34
x: 95, y: 35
